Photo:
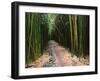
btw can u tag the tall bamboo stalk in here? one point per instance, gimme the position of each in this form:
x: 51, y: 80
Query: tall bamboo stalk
x: 75, y: 33
x: 71, y: 32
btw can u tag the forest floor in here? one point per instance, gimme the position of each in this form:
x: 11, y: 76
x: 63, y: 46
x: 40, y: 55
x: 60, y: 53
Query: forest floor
x: 60, y: 57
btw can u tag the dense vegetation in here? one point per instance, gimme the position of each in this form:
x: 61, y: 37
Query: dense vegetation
x: 70, y: 31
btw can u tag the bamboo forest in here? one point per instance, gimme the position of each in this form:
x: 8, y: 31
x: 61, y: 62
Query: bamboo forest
x: 56, y: 40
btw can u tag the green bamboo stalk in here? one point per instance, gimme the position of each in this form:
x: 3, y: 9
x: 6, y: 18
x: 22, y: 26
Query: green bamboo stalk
x: 70, y: 21
x: 75, y: 33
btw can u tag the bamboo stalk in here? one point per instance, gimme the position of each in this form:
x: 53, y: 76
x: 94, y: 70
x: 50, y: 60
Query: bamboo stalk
x: 70, y: 21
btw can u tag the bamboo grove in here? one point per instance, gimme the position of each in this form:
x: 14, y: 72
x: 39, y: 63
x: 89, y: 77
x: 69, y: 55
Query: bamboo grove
x: 70, y: 31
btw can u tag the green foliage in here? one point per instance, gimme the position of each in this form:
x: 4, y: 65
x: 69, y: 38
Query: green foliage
x: 70, y: 31
x: 33, y: 37
x: 51, y: 24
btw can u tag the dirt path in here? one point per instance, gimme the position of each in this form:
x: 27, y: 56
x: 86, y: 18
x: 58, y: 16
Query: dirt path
x: 62, y: 59
x: 59, y: 56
